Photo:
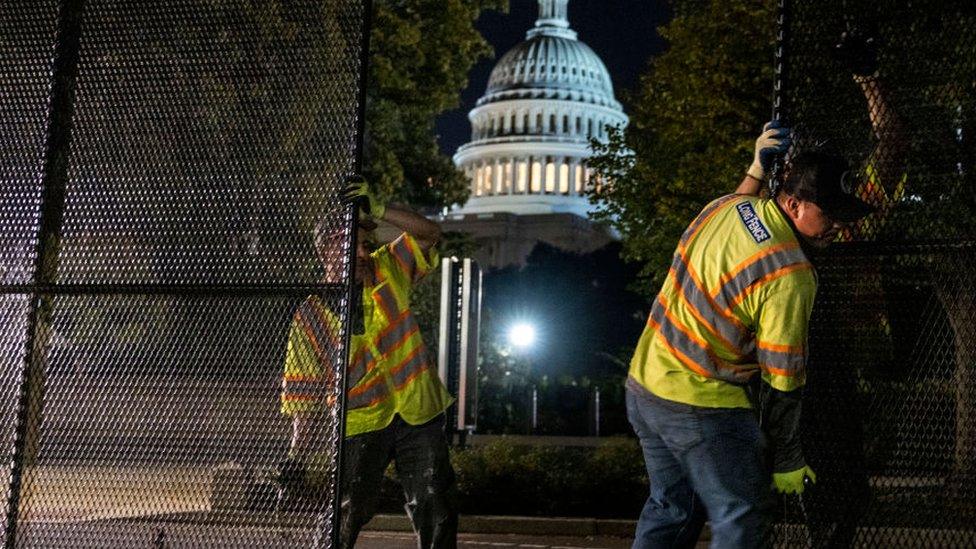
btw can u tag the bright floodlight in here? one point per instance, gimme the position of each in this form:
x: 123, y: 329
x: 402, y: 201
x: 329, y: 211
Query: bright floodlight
x: 521, y: 335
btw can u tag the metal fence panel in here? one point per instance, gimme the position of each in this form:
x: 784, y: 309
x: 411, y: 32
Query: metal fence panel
x: 209, y: 137
x: 890, y: 407
x: 207, y: 145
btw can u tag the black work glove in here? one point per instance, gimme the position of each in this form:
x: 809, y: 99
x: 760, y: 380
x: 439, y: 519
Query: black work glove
x: 858, y: 53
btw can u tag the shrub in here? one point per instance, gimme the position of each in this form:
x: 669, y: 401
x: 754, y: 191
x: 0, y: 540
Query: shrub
x: 504, y: 479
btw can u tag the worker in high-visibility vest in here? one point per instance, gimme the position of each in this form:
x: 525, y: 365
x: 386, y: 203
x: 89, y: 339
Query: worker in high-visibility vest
x: 395, y: 400
x: 734, y: 309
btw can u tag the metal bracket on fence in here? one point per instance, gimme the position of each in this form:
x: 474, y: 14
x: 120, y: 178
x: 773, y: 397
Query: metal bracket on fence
x: 780, y: 65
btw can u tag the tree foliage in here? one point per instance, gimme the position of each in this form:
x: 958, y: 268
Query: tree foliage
x: 421, y: 53
x: 694, y: 117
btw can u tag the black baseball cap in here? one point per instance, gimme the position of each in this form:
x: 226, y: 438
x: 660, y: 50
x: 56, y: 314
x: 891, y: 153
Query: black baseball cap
x: 828, y: 181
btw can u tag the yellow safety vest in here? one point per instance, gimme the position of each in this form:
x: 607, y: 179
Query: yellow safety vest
x: 389, y: 371
x: 736, y: 301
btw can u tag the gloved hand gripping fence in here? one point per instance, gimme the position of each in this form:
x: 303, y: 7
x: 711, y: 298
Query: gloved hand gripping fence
x: 774, y: 141
x: 794, y: 482
x: 358, y: 191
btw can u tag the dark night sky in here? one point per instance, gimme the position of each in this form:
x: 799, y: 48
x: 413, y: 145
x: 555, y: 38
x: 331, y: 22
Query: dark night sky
x: 622, y: 32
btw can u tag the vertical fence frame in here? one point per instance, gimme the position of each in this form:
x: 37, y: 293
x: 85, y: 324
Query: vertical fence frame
x: 53, y: 189
x: 351, y: 294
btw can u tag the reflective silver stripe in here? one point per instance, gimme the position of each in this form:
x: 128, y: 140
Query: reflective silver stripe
x: 701, y: 356
x: 308, y: 333
x: 415, y: 363
x: 358, y: 368
x: 401, y: 249
x: 403, y: 326
x: 680, y: 341
x: 759, y: 268
x: 790, y: 363
x: 743, y: 343
x: 315, y: 318
x: 303, y: 387
x: 376, y: 392
x: 387, y: 301
x: 697, y: 223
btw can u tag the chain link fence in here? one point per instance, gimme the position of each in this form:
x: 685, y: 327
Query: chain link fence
x: 164, y: 167
x: 890, y: 405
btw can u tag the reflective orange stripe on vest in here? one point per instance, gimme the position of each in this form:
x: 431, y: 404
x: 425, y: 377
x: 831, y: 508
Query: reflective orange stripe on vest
x: 735, y: 302
x: 691, y: 350
x: 388, y: 371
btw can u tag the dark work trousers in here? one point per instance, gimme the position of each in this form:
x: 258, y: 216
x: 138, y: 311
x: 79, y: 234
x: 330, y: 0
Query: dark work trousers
x: 420, y: 455
x: 834, y: 441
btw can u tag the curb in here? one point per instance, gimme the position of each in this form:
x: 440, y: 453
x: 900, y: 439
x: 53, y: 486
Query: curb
x: 489, y: 524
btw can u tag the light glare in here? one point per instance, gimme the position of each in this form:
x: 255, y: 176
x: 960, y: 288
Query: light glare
x: 521, y: 335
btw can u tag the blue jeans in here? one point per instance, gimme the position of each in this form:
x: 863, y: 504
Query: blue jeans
x: 702, y: 463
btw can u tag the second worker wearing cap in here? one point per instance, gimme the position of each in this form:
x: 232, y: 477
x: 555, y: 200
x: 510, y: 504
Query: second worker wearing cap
x: 733, y: 310
x: 395, y: 401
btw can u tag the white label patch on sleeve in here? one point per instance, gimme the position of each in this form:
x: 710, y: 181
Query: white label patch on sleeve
x: 752, y: 222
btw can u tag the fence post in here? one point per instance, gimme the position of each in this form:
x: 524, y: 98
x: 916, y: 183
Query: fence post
x: 594, y: 409
x: 334, y: 523
x: 53, y: 186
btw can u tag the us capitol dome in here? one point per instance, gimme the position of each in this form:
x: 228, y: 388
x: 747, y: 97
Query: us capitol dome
x: 530, y: 134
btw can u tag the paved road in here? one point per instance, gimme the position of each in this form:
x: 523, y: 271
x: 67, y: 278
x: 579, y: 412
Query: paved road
x: 403, y: 540
x: 118, y: 534
x: 127, y: 535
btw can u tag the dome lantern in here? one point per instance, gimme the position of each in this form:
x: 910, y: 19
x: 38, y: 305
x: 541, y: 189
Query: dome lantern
x: 552, y: 20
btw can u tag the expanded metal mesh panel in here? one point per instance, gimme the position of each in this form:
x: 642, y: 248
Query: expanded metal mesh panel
x: 162, y: 412
x: 208, y: 138
x: 888, y: 423
x: 14, y: 310
x: 26, y: 57
x: 208, y: 144
x: 890, y: 407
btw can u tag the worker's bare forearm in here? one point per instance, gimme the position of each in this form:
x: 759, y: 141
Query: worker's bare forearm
x: 889, y: 129
x: 749, y: 186
x: 426, y: 232
x: 887, y: 125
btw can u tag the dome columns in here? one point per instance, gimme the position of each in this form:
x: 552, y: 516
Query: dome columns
x: 541, y: 119
x: 528, y: 175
